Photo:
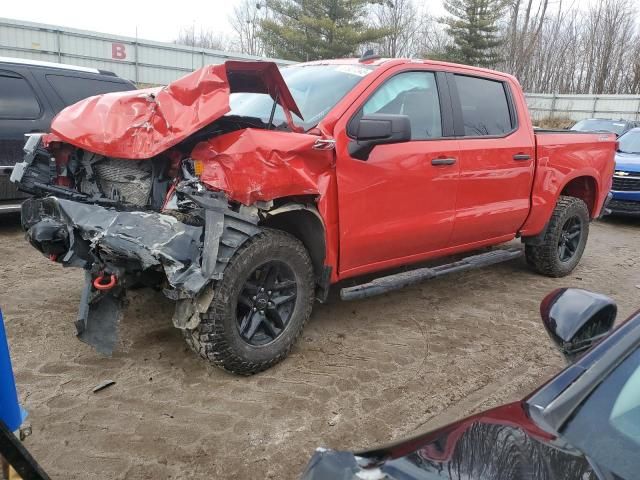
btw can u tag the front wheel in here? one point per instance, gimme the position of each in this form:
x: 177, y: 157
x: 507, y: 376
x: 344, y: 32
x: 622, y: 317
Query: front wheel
x: 259, y: 307
x: 564, y: 241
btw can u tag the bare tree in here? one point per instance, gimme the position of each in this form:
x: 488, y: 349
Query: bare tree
x: 203, y: 38
x: 632, y: 83
x: 413, y: 32
x: 525, y: 26
x: 432, y: 40
x: 574, y: 49
x: 245, y: 21
x: 560, y: 46
x: 399, y: 18
x: 609, y: 29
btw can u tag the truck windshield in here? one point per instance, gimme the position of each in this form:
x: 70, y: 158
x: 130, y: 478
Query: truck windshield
x: 630, y: 142
x: 315, y: 88
x: 595, y: 125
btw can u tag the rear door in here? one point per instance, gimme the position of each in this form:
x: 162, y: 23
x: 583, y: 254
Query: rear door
x: 497, y: 159
x: 399, y: 203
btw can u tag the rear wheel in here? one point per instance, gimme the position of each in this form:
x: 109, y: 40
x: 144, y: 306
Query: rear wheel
x: 259, y: 307
x: 564, y: 241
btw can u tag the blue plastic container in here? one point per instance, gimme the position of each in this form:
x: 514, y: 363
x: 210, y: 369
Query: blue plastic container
x: 10, y: 412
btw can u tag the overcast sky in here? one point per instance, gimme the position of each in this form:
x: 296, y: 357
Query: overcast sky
x: 155, y: 19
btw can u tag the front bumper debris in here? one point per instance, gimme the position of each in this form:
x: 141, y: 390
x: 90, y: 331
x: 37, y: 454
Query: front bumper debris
x: 85, y: 234
x: 133, y: 248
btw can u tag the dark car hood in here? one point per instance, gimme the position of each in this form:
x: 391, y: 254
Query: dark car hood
x: 502, y: 443
x: 140, y: 124
x: 628, y: 162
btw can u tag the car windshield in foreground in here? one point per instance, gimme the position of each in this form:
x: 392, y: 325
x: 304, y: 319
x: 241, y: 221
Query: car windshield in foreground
x: 315, y: 88
x: 592, y: 125
x: 607, y: 426
x: 630, y: 142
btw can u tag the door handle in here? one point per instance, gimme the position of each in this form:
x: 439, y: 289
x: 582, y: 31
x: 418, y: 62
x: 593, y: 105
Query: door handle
x: 443, y: 161
x: 521, y: 157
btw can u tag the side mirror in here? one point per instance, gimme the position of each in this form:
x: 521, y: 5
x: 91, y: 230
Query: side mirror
x: 378, y: 129
x: 576, y: 319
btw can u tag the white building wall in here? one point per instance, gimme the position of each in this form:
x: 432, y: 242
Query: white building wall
x: 142, y: 61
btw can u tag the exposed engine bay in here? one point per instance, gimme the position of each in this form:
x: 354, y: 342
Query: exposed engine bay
x: 110, y: 226
x: 173, y: 220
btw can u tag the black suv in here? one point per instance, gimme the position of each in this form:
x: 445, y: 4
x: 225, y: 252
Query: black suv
x: 31, y: 94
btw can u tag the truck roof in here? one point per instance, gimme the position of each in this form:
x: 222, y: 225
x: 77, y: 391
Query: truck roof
x: 376, y: 62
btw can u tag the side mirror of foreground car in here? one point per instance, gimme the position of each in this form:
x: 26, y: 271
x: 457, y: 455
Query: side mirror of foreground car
x: 378, y: 129
x: 576, y: 319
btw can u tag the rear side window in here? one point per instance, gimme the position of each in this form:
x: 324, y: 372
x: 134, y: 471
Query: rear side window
x: 17, y: 98
x: 485, y: 108
x: 73, y: 89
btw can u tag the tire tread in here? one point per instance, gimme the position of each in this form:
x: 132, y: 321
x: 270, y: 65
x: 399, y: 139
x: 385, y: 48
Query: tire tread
x: 208, y: 339
x: 544, y: 258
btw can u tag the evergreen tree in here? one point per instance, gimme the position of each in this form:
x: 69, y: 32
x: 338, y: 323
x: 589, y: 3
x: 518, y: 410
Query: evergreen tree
x: 473, y: 26
x: 317, y: 29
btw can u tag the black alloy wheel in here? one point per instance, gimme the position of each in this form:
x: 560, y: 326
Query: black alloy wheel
x: 259, y: 307
x: 570, y: 237
x: 564, y: 239
x: 266, y: 303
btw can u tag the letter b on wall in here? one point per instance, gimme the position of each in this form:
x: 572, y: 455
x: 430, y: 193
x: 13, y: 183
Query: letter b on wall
x: 118, y: 51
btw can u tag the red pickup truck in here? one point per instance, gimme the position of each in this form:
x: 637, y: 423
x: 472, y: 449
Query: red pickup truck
x: 244, y: 191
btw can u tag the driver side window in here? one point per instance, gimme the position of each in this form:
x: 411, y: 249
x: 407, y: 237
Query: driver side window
x: 413, y: 94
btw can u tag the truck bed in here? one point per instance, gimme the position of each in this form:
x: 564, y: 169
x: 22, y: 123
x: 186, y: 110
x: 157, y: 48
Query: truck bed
x: 568, y: 161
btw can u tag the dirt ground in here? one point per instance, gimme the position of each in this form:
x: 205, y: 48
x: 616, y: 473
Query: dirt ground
x: 363, y: 373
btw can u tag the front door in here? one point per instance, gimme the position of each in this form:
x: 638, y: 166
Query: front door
x: 399, y: 204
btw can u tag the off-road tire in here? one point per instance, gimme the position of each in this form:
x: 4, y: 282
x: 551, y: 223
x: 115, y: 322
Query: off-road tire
x: 217, y: 338
x: 544, y: 258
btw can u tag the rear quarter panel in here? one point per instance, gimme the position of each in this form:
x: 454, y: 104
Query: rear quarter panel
x: 561, y: 158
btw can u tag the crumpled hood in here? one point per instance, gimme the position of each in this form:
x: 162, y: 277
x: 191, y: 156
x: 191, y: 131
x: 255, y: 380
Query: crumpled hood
x: 140, y: 124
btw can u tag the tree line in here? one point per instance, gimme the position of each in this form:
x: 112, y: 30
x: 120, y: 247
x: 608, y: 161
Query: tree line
x: 559, y: 46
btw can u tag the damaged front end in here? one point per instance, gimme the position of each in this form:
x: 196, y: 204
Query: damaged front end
x: 121, y: 244
x: 141, y: 189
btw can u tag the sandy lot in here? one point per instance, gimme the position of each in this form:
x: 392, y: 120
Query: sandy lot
x: 364, y: 373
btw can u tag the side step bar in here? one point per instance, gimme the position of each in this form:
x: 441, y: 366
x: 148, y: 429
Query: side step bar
x: 404, y: 279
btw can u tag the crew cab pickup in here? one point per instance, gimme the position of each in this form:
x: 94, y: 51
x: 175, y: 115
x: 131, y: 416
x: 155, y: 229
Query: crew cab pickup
x: 244, y: 192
